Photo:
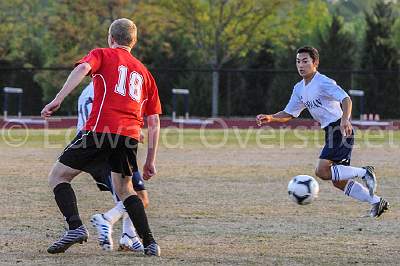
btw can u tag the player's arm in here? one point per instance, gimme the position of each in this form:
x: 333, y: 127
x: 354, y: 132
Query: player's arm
x: 345, y: 124
x: 73, y: 80
x: 281, y: 116
x: 293, y: 109
x: 336, y: 93
x: 153, y: 133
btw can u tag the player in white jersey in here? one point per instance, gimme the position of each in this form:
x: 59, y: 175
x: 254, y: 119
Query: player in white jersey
x: 330, y: 105
x: 104, y: 222
x: 85, y: 102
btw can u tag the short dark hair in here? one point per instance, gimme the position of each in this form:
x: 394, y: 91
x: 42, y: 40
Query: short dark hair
x: 311, y: 51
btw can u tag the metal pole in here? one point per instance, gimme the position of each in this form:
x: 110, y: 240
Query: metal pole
x: 19, y: 105
x: 228, y: 96
x: 173, y: 106
x: 5, y: 105
x: 186, y: 99
x: 215, y: 89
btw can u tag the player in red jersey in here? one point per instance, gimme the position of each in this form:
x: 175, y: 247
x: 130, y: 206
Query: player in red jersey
x: 124, y: 91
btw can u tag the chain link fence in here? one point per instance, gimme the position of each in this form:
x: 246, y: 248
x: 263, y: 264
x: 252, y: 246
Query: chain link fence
x: 243, y: 92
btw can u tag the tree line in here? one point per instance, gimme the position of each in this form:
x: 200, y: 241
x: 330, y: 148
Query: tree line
x: 226, y: 52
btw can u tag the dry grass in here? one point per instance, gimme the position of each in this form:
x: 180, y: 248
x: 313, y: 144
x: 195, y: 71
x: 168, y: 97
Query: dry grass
x: 225, y: 205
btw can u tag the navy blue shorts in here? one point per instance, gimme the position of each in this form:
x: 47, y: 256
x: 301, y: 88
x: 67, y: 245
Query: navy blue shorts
x: 105, y: 183
x: 337, y: 148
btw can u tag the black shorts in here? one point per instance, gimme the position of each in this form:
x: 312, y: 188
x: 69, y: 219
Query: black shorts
x: 91, y: 152
x: 337, y: 147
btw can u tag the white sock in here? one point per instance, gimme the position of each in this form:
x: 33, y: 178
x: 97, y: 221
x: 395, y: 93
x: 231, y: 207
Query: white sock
x: 359, y: 192
x: 127, y: 226
x: 342, y: 172
x: 115, y: 213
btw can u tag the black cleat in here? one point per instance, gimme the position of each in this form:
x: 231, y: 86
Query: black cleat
x: 379, y: 208
x: 152, y: 250
x: 78, y: 235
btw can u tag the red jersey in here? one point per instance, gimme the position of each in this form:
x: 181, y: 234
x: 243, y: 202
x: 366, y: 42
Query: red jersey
x: 124, y: 91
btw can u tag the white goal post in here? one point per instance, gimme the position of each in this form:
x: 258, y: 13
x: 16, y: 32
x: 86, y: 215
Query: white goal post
x: 186, y: 120
x: 11, y: 90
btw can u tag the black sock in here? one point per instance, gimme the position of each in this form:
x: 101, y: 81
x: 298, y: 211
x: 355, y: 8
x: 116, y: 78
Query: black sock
x: 135, y: 209
x: 66, y: 201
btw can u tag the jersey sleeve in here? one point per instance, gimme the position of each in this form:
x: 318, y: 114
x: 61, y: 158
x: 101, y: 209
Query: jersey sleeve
x: 333, y: 91
x: 153, y: 104
x: 295, y: 106
x: 93, y: 59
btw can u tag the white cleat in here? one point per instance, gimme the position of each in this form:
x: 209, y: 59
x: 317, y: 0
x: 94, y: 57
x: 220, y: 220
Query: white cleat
x: 128, y: 243
x: 104, y: 231
x: 370, y: 179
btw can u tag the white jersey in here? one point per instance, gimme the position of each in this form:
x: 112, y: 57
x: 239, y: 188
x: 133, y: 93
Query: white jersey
x: 321, y: 96
x: 85, y: 102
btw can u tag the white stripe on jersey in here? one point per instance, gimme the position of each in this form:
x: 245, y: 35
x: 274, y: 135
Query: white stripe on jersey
x: 85, y: 102
x: 102, y: 101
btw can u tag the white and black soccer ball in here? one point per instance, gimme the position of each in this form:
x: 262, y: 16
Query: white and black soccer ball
x: 303, y: 189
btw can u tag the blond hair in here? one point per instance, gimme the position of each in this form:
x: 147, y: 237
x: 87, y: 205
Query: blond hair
x: 124, y: 32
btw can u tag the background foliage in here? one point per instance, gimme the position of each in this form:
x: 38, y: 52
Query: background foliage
x: 250, y: 44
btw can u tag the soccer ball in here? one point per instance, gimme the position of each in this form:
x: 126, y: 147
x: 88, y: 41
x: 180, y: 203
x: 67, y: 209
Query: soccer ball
x: 303, y: 189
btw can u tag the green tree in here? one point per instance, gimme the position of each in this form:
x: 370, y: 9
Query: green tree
x: 337, y: 49
x: 21, y: 32
x: 379, y: 55
x: 222, y: 30
x: 307, y: 20
x: 73, y: 28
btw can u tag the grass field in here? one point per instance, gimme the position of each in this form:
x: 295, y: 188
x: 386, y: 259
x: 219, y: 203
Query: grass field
x: 219, y: 198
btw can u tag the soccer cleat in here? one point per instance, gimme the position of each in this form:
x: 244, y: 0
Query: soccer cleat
x: 128, y: 243
x: 379, y: 208
x: 370, y: 179
x: 104, y: 230
x: 152, y: 250
x: 78, y: 235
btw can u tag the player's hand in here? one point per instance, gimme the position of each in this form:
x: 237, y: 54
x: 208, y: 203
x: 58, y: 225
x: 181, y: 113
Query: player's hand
x: 50, y: 108
x: 263, y: 119
x: 141, y: 137
x: 345, y: 127
x: 149, y: 170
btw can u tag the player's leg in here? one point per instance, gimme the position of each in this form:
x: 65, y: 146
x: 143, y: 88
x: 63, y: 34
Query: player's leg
x: 135, y: 209
x: 103, y: 222
x: 82, y: 153
x: 144, y: 197
x: 104, y: 183
x: 367, y: 174
x: 359, y: 192
x: 326, y: 170
x: 323, y: 169
x: 123, y: 161
x: 59, y: 180
x: 138, y: 186
x: 338, y: 149
x: 129, y: 240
